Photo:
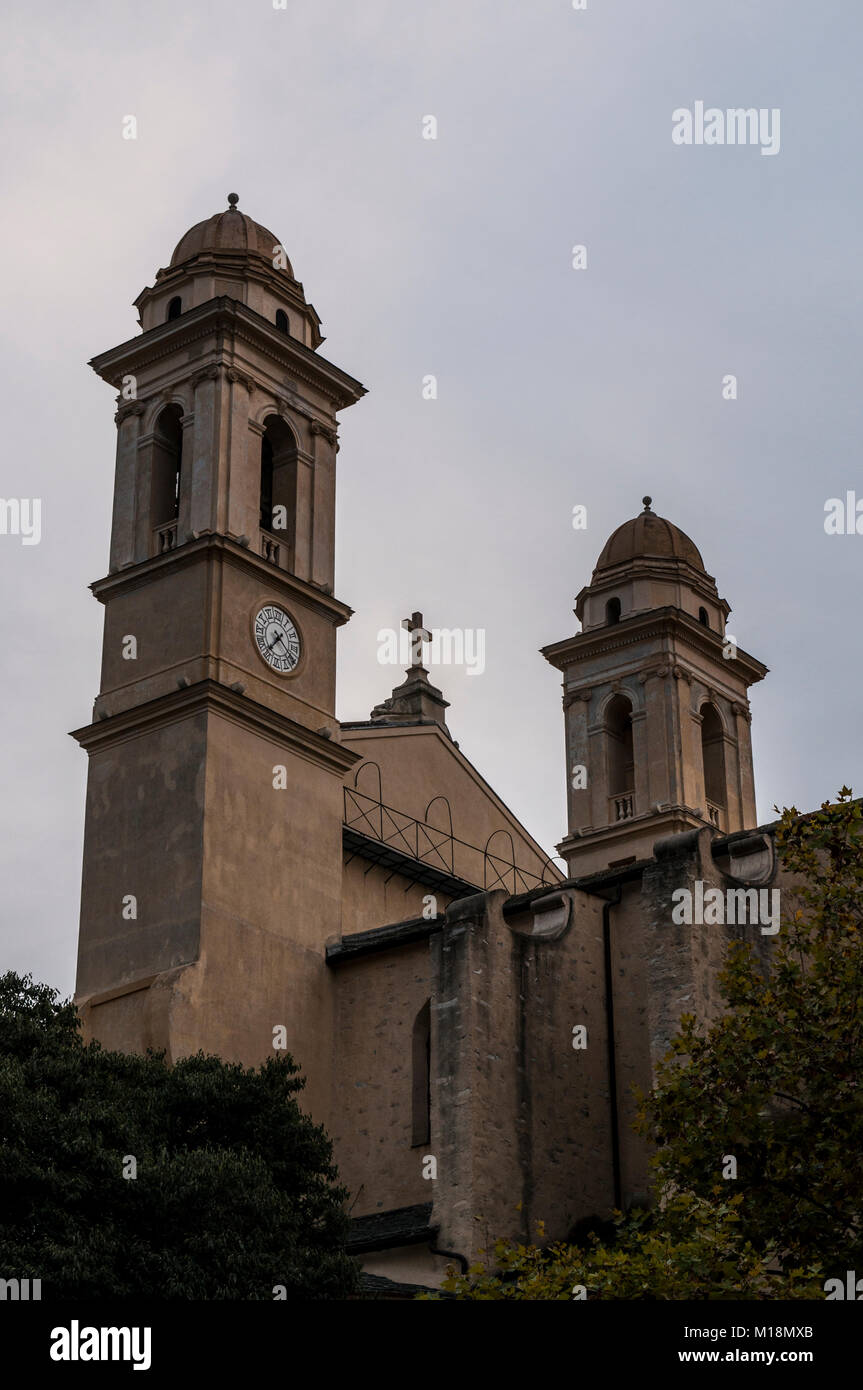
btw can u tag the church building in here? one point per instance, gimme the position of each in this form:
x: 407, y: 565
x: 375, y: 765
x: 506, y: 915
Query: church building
x: 259, y: 873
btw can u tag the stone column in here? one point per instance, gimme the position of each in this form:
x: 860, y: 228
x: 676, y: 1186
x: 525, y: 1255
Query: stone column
x: 654, y: 683
x: 304, y: 514
x: 123, y: 525
x: 691, y: 782
x: 144, y: 465
x: 682, y: 960
x: 746, y: 775
x: 597, y: 773
x: 640, y: 760
x: 243, y: 480
x: 323, y: 537
x: 205, y: 458
x: 184, y: 519
x: 576, y: 707
x: 473, y: 1080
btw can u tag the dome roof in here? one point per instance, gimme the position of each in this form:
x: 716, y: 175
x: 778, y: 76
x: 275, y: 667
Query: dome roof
x: 230, y: 230
x: 648, y: 535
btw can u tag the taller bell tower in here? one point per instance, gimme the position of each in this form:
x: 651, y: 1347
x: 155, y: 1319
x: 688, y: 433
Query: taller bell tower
x: 212, y: 854
x: 655, y: 697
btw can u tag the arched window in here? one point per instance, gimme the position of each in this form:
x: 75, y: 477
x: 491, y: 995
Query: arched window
x: 621, y: 768
x: 279, y: 489
x: 713, y: 758
x: 175, y: 308
x: 612, y: 611
x: 266, y: 484
x: 282, y: 321
x: 167, y: 467
x: 421, y: 1077
x: 703, y: 618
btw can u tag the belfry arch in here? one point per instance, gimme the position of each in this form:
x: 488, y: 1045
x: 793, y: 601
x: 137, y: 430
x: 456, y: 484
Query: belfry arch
x: 619, y: 757
x: 278, y: 490
x: 713, y: 764
x: 166, y: 475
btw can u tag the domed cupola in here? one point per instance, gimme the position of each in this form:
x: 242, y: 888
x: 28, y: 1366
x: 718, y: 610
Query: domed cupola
x: 231, y: 254
x: 648, y: 535
x: 230, y: 232
x: 648, y: 563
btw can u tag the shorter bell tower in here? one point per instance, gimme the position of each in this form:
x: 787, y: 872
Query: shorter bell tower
x: 655, y: 698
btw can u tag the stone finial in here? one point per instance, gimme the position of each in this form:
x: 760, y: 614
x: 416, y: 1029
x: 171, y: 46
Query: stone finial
x: 416, y: 700
x: 647, y: 501
x: 233, y: 199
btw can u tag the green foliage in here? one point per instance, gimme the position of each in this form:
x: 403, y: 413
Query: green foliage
x: 775, y: 1081
x: 692, y: 1249
x: 235, y: 1190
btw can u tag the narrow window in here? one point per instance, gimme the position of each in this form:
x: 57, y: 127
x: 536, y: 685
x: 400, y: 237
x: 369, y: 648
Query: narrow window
x: 713, y: 757
x: 167, y: 466
x: 266, y: 484
x: 621, y: 767
x: 612, y: 611
x: 282, y: 321
x: 703, y: 618
x: 278, y: 489
x: 175, y: 309
x: 421, y: 1091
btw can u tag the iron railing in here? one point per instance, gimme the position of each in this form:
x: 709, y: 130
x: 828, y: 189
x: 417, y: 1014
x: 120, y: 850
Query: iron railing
x: 441, y: 849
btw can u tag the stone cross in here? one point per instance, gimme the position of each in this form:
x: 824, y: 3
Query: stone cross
x: 419, y: 635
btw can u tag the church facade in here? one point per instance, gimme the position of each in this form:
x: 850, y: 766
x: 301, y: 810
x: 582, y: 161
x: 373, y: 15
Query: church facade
x: 258, y: 873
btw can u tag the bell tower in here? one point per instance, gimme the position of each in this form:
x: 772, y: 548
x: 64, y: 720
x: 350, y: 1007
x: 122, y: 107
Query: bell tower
x: 655, y: 698
x: 212, y: 854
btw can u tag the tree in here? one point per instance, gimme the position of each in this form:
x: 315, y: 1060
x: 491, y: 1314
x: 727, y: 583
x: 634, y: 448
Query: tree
x: 690, y: 1250
x: 775, y: 1082
x: 234, y: 1193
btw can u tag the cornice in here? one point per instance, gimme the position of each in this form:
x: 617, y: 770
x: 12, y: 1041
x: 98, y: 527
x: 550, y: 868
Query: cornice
x: 230, y: 552
x: 224, y: 260
x: 206, y: 696
x: 622, y: 830
x: 610, y: 576
x: 245, y: 325
x: 657, y: 623
x: 288, y: 403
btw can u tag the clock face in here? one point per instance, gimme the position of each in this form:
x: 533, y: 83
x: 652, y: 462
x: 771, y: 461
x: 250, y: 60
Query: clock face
x: 277, y: 639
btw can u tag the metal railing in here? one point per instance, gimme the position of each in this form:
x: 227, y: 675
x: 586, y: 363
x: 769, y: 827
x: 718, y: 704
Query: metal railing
x: 440, y: 848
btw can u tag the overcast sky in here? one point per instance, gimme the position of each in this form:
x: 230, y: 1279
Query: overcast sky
x: 557, y: 386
